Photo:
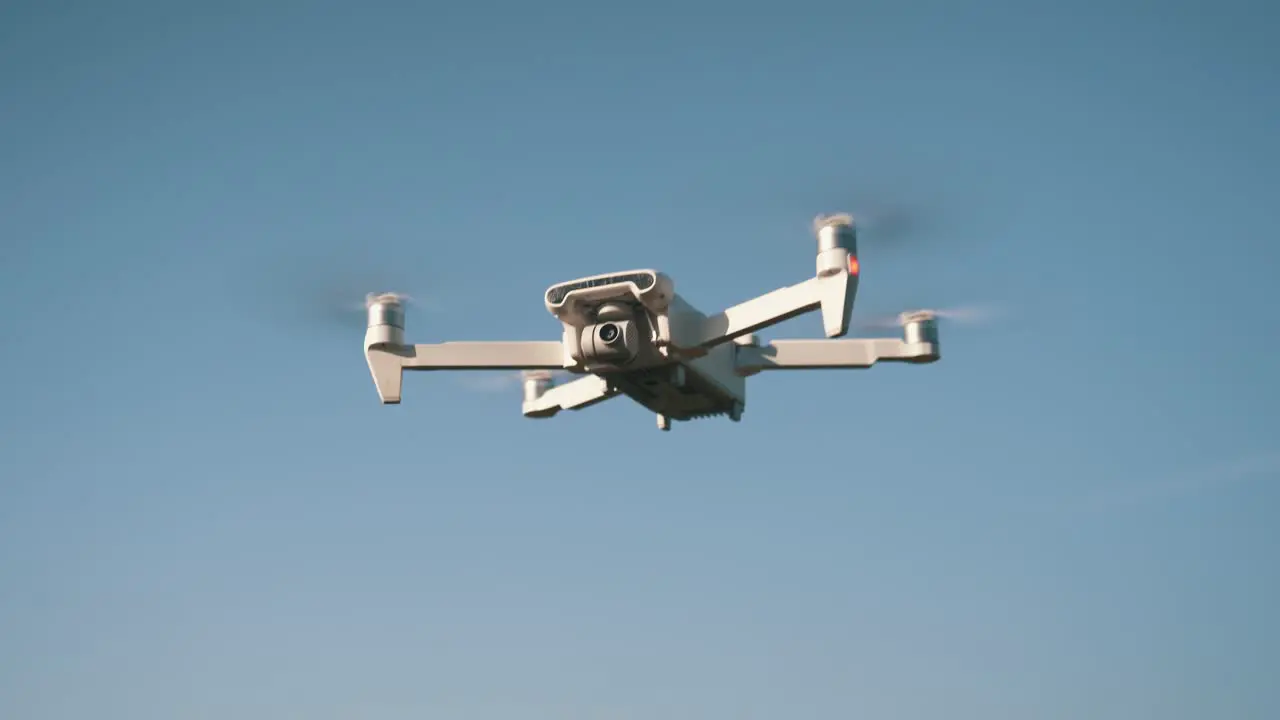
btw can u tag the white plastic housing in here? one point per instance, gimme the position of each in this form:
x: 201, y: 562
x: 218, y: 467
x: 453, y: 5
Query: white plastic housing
x: 919, y: 328
x: 837, y: 244
x: 536, y: 383
x: 385, y: 321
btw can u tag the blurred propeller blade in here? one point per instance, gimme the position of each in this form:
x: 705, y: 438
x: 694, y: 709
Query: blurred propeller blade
x: 328, y: 295
x: 963, y: 314
x: 498, y: 382
x: 889, y: 224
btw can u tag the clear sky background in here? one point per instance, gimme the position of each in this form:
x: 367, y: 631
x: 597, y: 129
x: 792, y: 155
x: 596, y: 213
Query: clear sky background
x: 205, y: 513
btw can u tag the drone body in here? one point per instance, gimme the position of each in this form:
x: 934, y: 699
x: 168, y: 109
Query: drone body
x: 630, y: 334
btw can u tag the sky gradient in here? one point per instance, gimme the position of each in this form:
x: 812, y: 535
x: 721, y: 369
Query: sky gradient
x: 205, y: 513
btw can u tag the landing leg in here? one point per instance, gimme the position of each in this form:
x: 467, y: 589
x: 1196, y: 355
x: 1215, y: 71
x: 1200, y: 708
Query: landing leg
x: 664, y: 423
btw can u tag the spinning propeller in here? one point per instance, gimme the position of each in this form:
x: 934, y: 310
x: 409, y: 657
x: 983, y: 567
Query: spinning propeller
x: 504, y: 381
x: 883, y: 229
x: 964, y: 315
x: 329, y: 294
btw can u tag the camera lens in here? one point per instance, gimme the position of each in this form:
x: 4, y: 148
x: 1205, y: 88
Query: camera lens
x: 608, y: 332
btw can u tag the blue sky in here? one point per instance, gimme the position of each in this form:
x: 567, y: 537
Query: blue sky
x: 204, y: 512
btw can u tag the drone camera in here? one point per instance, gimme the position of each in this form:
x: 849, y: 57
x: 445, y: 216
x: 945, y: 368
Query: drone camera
x: 613, y: 342
x: 837, y: 245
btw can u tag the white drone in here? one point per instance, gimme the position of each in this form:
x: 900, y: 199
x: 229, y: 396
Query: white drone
x: 630, y: 334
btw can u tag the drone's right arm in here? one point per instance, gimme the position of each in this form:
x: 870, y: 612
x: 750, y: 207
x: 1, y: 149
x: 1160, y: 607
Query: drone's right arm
x: 833, y: 294
x: 388, y: 361
x: 832, y: 290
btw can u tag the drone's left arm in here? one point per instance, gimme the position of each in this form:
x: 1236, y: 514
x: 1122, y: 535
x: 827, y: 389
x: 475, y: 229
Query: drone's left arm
x: 387, y: 362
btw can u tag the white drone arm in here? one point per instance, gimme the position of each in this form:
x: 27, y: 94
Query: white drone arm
x: 831, y: 290
x: 389, y: 356
x: 387, y: 361
x: 543, y: 402
x: 919, y: 345
x: 833, y: 294
x: 819, y: 354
